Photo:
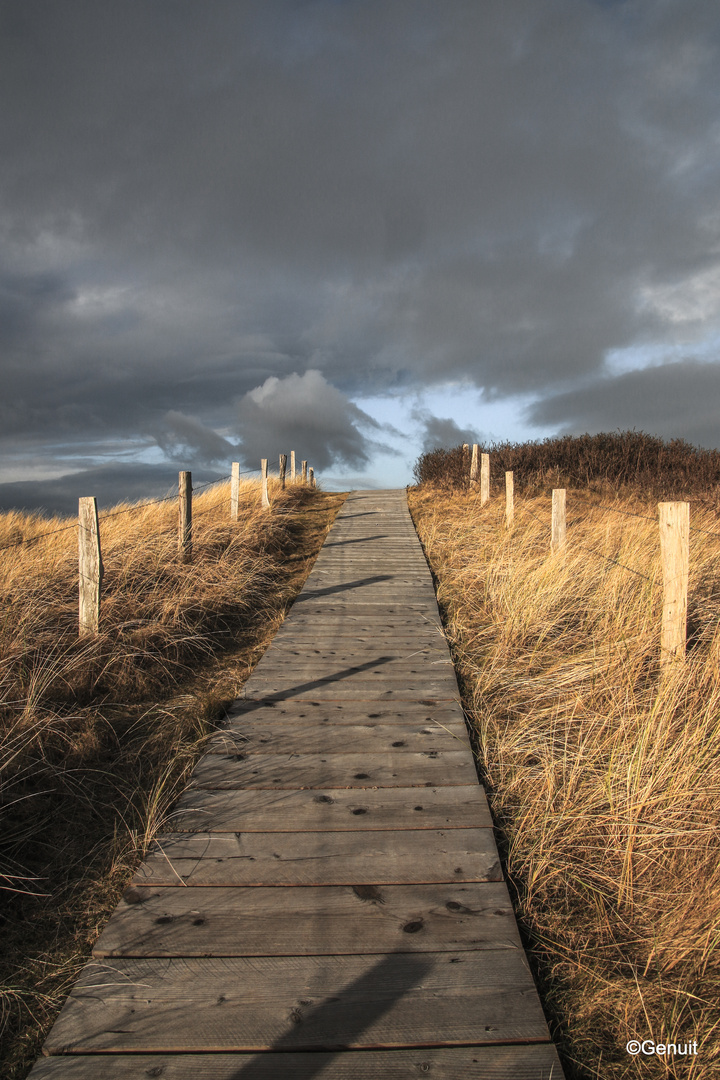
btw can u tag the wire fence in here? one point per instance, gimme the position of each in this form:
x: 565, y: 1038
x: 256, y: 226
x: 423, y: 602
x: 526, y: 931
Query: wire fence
x: 90, y: 563
x: 673, y: 523
x: 119, y: 513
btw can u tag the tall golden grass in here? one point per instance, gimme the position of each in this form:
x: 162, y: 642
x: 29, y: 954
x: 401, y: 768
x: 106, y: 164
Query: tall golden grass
x: 604, y: 779
x: 98, y: 735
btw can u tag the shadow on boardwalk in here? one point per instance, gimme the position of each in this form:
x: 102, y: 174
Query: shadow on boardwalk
x: 335, y: 1025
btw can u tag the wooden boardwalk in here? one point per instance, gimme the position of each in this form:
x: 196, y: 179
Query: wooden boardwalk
x: 331, y: 903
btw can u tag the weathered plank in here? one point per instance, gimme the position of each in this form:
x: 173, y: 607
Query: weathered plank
x: 292, y: 649
x: 350, y: 623
x: 332, y: 809
x: 351, y: 686
x: 312, y: 921
x: 417, y: 856
x: 410, y: 769
x: 328, y: 1002
x: 333, y: 607
x: 293, y: 664
x: 425, y: 711
x: 538, y: 1061
x: 255, y: 736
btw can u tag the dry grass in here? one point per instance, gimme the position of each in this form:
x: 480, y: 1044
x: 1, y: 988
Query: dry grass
x: 98, y: 736
x: 604, y: 780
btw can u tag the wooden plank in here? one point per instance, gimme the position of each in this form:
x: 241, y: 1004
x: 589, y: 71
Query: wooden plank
x: 287, y: 654
x: 418, y: 856
x: 351, y: 687
x: 332, y: 809
x: 538, y: 1061
x: 379, y: 669
x: 329, y: 1002
x: 365, y: 623
x: 304, y: 642
x: 254, y: 736
x: 315, y: 921
x: 428, y: 768
x: 383, y: 609
x: 377, y: 574
x: 426, y: 710
x: 385, y: 590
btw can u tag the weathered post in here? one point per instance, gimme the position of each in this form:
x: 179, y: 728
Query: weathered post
x: 303, y: 466
x: 557, y: 538
x: 484, y: 479
x: 474, y: 464
x: 235, y: 491
x: 185, y: 516
x: 292, y: 466
x: 509, y: 500
x: 311, y: 476
x: 283, y: 469
x: 674, y: 553
x: 90, y: 567
x: 264, y: 501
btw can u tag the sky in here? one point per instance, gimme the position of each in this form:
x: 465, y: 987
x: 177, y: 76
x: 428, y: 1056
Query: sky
x: 357, y: 229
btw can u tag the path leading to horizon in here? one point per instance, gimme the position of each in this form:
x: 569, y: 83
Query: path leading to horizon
x: 331, y: 902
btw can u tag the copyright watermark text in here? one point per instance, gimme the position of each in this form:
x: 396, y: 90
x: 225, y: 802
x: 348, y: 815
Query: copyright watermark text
x: 649, y: 1047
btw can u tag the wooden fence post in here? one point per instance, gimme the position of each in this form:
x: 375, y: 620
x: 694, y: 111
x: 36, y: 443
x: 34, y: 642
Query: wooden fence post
x: 264, y: 501
x: 90, y: 567
x: 509, y: 500
x: 292, y: 466
x: 557, y: 538
x: 235, y: 491
x: 303, y: 466
x: 185, y: 516
x: 474, y: 464
x: 484, y: 479
x: 674, y: 553
x: 283, y: 469
x: 311, y: 476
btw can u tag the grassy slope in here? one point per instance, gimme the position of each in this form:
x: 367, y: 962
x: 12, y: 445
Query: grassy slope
x: 97, y: 738
x: 604, y: 783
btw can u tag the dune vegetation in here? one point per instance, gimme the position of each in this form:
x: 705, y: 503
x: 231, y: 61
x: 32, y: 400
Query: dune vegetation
x: 98, y: 735
x: 602, y: 773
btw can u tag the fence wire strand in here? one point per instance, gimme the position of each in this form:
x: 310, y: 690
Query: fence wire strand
x: 118, y: 513
x: 593, y: 551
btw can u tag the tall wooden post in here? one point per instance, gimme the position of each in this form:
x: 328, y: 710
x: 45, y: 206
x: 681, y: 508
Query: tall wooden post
x: 185, y: 516
x: 235, y: 491
x: 484, y: 479
x: 509, y: 500
x: 304, y: 471
x: 311, y: 476
x: 557, y: 538
x: 283, y: 469
x: 264, y: 501
x: 90, y: 567
x: 674, y: 553
x: 474, y: 464
x: 292, y: 466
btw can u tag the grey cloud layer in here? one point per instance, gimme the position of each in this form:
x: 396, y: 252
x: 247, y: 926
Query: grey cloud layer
x: 196, y: 198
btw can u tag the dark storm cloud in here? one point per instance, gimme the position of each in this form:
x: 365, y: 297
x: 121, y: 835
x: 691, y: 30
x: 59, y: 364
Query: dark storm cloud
x: 110, y: 484
x: 443, y: 432
x: 185, y: 439
x: 196, y: 198
x: 678, y: 400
